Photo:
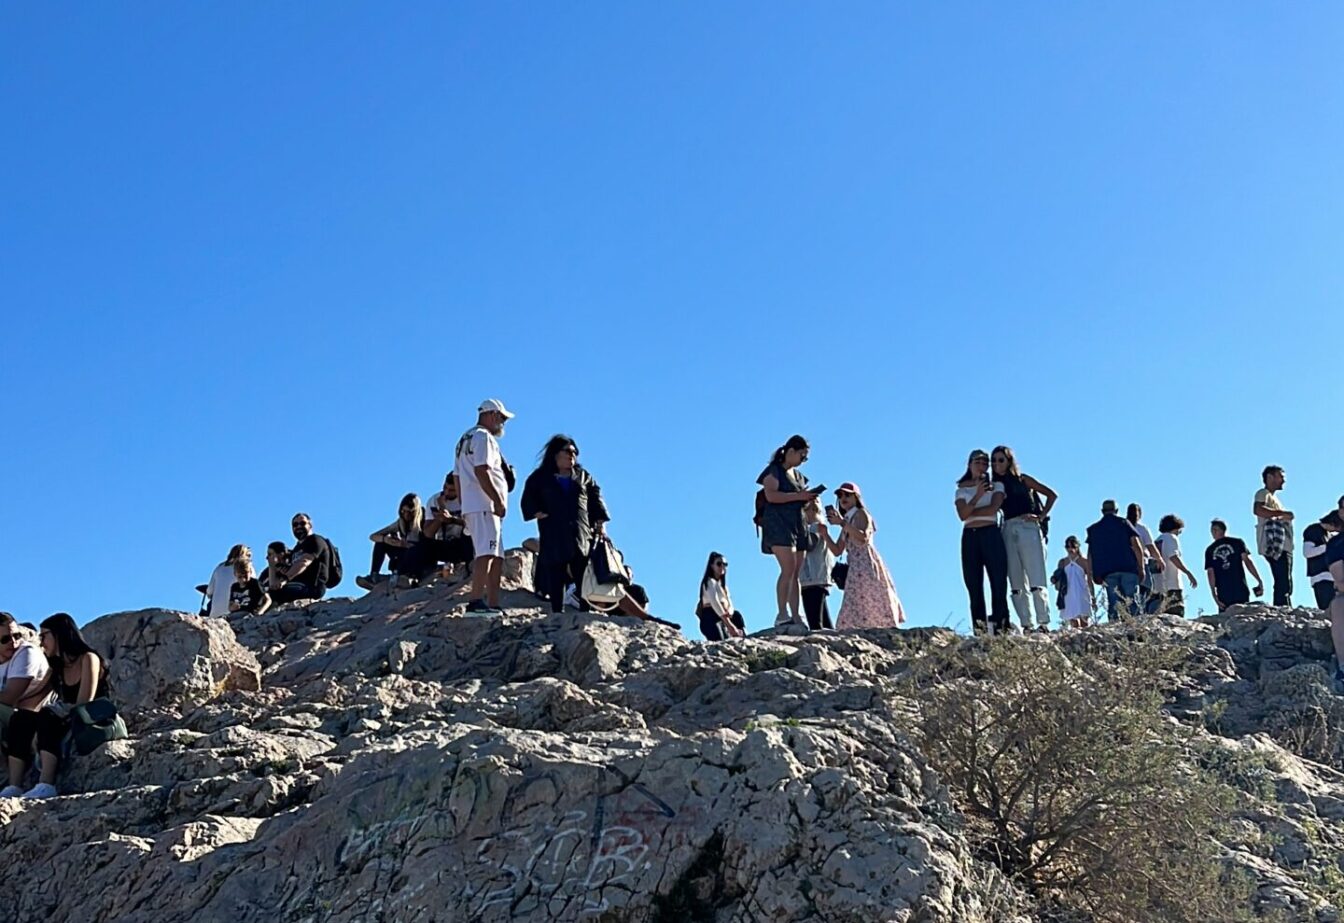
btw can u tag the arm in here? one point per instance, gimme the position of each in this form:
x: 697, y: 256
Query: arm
x: 1265, y: 512
x: 1312, y: 550
x: 299, y: 565
x: 1250, y: 564
x: 388, y: 535
x: 1050, y: 495
x: 533, y: 503
x: 482, y: 473
x: 1180, y: 566
x: 1137, y: 547
x: 774, y: 495
x: 1337, y: 574
x: 860, y: 527
x: 597, y: 507
x: 264, y: 604
x: 1213, y: 585
x: 1156, y: 556
x: 967, y: 509
x: 15, y: 690
x: 88, y: 681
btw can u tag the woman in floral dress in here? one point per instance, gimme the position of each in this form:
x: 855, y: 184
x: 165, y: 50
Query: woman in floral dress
x: 870, y: 595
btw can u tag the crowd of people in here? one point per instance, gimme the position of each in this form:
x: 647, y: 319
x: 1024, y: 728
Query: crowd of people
x: 458, y: 535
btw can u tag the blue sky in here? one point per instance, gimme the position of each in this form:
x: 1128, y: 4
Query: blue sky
x: 257, y: 258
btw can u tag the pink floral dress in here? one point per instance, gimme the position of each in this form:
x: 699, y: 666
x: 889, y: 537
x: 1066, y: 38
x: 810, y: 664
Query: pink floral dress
x: 870, y: 594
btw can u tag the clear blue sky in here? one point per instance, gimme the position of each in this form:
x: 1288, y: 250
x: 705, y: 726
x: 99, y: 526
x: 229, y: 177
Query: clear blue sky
x: 260, y: 258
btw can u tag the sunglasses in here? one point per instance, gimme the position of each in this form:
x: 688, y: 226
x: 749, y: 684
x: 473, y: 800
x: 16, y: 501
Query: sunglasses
x: 6, y: 639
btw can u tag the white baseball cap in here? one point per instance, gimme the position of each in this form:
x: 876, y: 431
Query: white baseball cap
x: 497, y: 406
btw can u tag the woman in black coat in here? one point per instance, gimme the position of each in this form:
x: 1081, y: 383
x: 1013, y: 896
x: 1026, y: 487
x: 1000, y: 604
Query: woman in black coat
x: 567, y: 504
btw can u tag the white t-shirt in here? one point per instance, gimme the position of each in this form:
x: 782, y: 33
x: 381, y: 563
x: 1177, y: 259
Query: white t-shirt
x: 478, y: 447
x: 29, y: 662
x: 1270, y: 501
x: 1145, y: 537
x: 966, y: 493
x: 715, y: 595
x: 1171, y: 576
x: 453, y: 508
x: 221, y: 581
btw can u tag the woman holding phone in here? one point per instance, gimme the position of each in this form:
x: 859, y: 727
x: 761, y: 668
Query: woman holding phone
x: 870, y: 594
x: 978, y: 500
x: 785, y: 493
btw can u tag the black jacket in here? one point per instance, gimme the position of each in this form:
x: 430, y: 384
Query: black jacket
x: 567, y: 530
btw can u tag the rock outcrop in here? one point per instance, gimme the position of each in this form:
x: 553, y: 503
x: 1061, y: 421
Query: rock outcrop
x: 387, y: 758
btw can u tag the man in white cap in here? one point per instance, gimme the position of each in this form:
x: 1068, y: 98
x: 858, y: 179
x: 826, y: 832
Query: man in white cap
x: 483, y: 488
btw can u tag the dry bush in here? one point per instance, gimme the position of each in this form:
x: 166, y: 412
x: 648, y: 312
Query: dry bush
x: 1074, y: 783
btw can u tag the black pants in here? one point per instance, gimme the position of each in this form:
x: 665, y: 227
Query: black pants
x: 814, y: 604
x: 983, y: 553
x: 552, y: 577
x: 48, y: 727
x: 1282, y: 569
x: 428, y: 553
x: 294, y: 591
x: 711, y: 626
x: 1325, y: 594
x: 384, y: 552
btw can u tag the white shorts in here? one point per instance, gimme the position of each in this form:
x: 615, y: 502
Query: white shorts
x: 485, y: 531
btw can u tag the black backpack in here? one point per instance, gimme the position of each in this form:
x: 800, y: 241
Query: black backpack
x: 761, y: 504
x: 335, y: 572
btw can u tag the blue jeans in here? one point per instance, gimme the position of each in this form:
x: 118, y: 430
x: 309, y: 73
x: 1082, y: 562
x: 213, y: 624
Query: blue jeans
x: 1122, y: 589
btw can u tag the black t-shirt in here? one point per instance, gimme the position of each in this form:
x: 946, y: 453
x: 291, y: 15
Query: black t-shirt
x: 316, y: 573
x: 1017, y: 498
x: 1315, y: 534
x: 247, y: 595
x: 1334, y: 550
x: 1225, y: 558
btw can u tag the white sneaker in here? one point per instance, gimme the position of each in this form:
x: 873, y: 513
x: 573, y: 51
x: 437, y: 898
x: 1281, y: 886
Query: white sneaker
x: 10, y: 791
x: 40, y: 790
x: 783, y: 619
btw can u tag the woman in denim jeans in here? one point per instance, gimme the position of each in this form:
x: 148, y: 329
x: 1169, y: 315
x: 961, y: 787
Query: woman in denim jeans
x: 1023, y: 537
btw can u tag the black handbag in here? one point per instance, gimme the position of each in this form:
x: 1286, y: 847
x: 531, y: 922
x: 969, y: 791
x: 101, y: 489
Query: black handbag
x: 840, y: 573
x: 95, y: 723
x: 606, y: 562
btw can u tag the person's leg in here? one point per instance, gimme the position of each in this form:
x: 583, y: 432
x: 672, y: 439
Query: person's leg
x: 295, y: 591
x: 787, y: 558
x: 995, y: 556
x: 1282, y: 570
x: 972, y: 574
x: 494, y: 575
x: 814, y: 597
x: 710, y: 626
x: 1112, y: 584
x: 1129, y: 590
x: 51, y: 731
x: 1017, y: 571
x: 550, y: 582
x: 1337, y: 634
x: 19, y: 743
x: 1033, y: 558
x: 480, y: 572
x: 739, y: 622
x: 380, y: 551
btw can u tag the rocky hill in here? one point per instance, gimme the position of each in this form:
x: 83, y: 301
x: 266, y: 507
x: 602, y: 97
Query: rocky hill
x: 385, y: 759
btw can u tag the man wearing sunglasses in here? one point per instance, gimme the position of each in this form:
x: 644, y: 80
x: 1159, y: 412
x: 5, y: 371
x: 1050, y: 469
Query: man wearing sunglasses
x: 22, y: 667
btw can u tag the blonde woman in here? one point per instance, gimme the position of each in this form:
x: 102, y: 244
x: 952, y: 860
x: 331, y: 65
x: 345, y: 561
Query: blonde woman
x: 217, y: 590
x: 391, y: 542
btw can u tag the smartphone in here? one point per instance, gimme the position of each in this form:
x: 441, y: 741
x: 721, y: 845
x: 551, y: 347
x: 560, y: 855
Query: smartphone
x: 818, y: 490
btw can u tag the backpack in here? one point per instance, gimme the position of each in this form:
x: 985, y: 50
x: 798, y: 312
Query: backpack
x: 759, y: 518
x: 334, y: 569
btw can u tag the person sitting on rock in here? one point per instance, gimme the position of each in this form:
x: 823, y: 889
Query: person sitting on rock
x: 567, y: 504
x: 392, y: 542
x: 246, y: 594
x: 277, y: 563
x: 216, y: 601
x: 1315, y: 541
x: 23, y: 669
x: 310, y: 563
x: 76, y: 676
x: 443, y: 538
x: 718, y: 619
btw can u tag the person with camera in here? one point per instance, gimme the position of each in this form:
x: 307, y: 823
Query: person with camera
x: 870, y: 593
x: 783, y: 495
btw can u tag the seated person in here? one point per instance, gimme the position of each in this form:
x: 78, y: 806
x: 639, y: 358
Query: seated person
x: 310, y: 564
x: 272, y: 576
x: 23, y: 668
x: 246, y: 594
x: 443, y: 535
x: 216, y: 602
x: 77, y: 677
x: 718, y: 619
x: 392, y: 542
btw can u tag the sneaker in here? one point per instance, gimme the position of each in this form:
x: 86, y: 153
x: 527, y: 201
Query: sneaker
x: 481, y: 607
x: 365, y: 583
x: 40, y: 790
x: 783, y: 619
x: 654, y: 618
x: 10, y: 791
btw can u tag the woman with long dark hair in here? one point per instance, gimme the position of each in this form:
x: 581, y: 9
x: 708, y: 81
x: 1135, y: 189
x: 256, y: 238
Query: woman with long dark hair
x: 567, y: 504
x: 77, y: 676
x: 978, y: 500
x: 718, y: 619
x: 783, y: 529
x: 1024, y: 519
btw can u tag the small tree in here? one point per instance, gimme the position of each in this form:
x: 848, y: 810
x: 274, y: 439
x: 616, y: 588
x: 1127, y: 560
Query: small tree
x: 1074, y: 783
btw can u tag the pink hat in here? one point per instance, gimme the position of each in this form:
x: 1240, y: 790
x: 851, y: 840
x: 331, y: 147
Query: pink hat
x: 850, y: 487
